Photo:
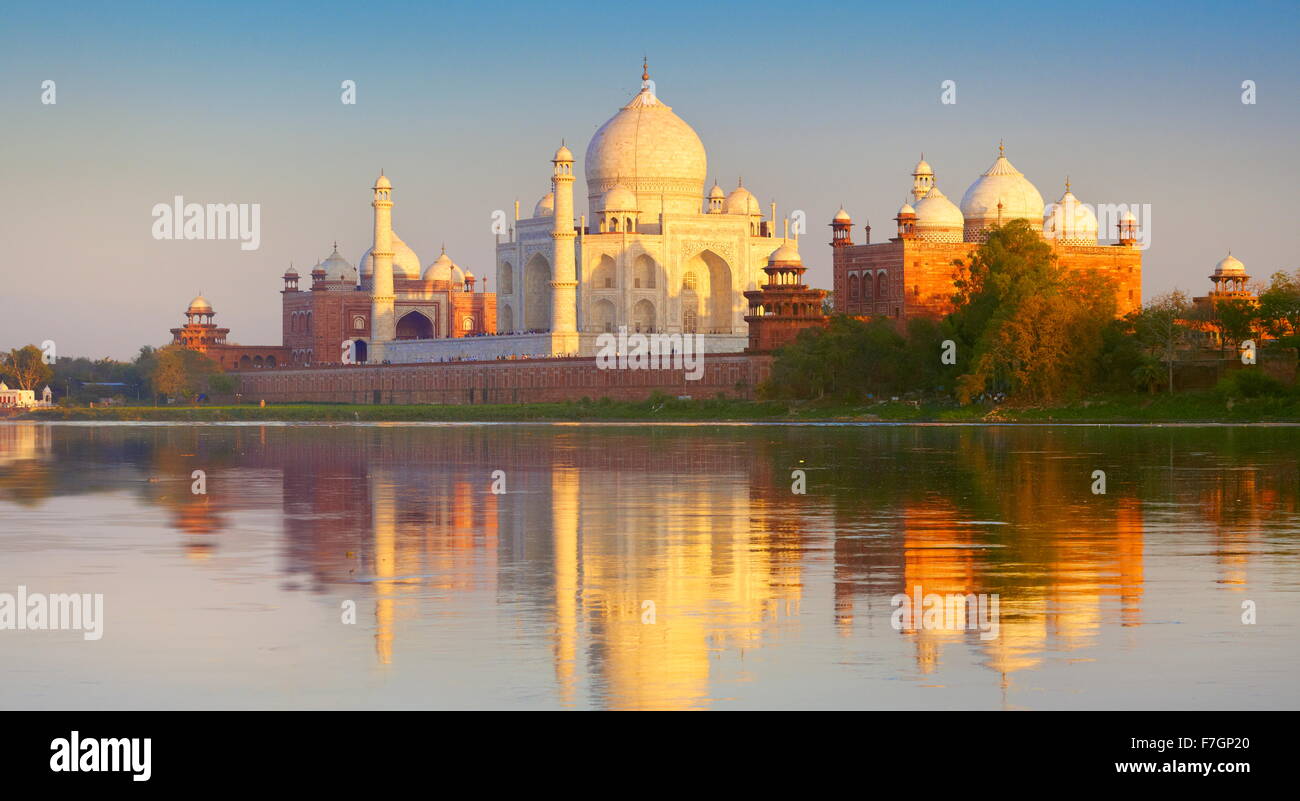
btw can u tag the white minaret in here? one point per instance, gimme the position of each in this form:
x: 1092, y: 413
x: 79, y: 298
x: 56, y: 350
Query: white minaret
x: 564, y: 284
x: 383, y: 326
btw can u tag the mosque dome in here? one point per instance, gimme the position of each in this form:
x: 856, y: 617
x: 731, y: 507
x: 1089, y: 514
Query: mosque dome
x: 1229, y: 265
x: 788, y: 252
x: 338, y: 268
x: 936, y: 211
x: 922, y: 167
x: 842, y: 216
x: 200, y: 304
x: 546, y: 206
x: 906, y: 210
x: 1001, y: 183
x: 563, y: 154
x: 444, y: 269
x: 741, y: 201
x: 405, y: 263
x: 716, y: 192
x: 620, y: 198
x: 652, y: 151
x: 1070, y: 222
x: 383, y: 183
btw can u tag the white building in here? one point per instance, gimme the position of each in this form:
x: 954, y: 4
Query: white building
x: 653, y: 253
x: 23, y: 398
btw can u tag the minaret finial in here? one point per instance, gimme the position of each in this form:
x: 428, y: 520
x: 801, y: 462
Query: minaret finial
x: 1002, y: 148
x: 1067, y: 184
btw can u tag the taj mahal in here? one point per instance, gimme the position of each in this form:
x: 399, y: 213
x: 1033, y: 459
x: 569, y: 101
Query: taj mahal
x: 655, y: 253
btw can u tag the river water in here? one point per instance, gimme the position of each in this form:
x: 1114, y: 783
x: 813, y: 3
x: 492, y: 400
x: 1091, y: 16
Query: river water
x: 654, y: 566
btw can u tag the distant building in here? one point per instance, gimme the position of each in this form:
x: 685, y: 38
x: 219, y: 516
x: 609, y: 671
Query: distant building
x: 912, y: 274
x: 200, y: 333
x: 24, y: 398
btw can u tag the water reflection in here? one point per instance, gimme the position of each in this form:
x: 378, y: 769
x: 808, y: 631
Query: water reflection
x: 675, y: 568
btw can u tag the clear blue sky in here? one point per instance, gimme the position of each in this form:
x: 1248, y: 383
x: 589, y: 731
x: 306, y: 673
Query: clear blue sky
x: 462, y: 104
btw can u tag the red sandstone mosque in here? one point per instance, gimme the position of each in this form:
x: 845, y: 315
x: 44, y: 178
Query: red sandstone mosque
x: 912, y: 273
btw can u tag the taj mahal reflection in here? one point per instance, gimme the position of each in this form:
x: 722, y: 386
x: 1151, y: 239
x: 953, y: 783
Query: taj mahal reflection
x: 649, y: 558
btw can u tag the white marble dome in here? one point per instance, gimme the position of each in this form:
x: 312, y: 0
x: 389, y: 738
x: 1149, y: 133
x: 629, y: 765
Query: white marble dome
x: 936, y: 211
x: 786, y: 253
x: 546, y: 206
x: 741, y: 201
x: 405, y: 263
x: 1230, y: 265
x: 1070, y: 222
x: 652, y: 151
x: 1001, y: 183
x: 338, y: 268
x: 620, y: 198
x: 444, y: 269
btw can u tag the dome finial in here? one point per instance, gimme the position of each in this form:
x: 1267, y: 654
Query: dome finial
x: 1067, y: 184
x: 1002, y: 149
x: 645, y: 68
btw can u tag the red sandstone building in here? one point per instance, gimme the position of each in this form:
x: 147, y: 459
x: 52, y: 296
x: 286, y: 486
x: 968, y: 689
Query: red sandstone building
x: 439, y: 303
x: 913, y: 272
x: 318, y: 323
x: 783, y: 306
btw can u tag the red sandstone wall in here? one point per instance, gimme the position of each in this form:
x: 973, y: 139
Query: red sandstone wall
x: 524, y: 381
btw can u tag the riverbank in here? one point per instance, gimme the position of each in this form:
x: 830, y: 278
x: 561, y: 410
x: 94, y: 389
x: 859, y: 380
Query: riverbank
x: 1182, y: 408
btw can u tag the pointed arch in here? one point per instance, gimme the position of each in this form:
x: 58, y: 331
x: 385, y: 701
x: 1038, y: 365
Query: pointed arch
x: 414, y: 325
x: 537, y: 294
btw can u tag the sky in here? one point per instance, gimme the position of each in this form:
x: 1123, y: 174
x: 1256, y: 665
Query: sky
x: 463, y: 104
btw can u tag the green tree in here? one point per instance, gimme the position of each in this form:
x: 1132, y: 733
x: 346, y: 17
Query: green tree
x: 1034, y: 330
x: 1279, y: 305
x: 26, y: 366
x: 1161, y: 329
x: 180, y: 372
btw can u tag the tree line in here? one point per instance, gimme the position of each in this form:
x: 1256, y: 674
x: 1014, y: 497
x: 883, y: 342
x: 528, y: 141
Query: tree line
x: 1026, y: 328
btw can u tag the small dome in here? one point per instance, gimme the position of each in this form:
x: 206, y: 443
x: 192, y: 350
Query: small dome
x: 1230, y: 265
x: 936, y: 211
x: 620, y: 198
x: 382, y: 182
x: 546, y: 206
x: 1069, y: 221
x: 716, y: 191
x: 907, y: 210
x: 842, y: 216
x: 338, y: 268
x: 787, y: 253
x: 200, y: 305
x: 922, y: 167
x: 741, y: 201
x: 563, y: 154
x: 1128, y: 217
x: 290, y: 271
x: 444, y: 269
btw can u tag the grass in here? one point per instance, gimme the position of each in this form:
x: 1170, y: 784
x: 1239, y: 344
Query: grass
x: 1182, y: 407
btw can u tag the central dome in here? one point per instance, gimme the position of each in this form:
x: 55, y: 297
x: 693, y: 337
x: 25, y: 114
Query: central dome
x: 651, y: 151
x: 1000, y: 184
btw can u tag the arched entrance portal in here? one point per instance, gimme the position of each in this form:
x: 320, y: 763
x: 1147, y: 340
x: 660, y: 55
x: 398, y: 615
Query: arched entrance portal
x: 414, y: 325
